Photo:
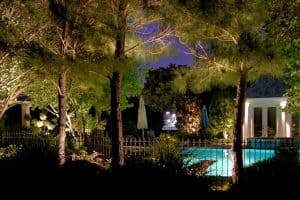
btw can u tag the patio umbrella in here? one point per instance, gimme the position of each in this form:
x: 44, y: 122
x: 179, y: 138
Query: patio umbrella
x: 142, y: 122
x: 204, y: 118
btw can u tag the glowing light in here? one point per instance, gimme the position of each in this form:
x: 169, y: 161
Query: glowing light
x: 169, y: 121
x: 39, y: 124
x: 283, y: 104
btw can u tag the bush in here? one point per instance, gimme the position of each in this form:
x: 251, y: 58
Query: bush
x: 221, y: 113
x: 32, y: 153
x: 10, y: 151
x: 131, y: 129
x: 166, y: 152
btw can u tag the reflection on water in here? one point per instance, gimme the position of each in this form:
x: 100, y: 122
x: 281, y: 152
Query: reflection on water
x: 223, y: 160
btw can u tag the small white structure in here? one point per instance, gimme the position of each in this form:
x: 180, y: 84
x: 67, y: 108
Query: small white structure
x: 264, y: 117
x: 263, y: 111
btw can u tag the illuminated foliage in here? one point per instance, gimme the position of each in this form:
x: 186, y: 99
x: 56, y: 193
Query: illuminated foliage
x: 221, y: 113
x: 231, y: 44
x: 292, y: 75
x: 13, y: 80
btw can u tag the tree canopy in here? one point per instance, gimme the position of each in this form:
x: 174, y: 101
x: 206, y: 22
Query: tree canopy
x: 231, y: 43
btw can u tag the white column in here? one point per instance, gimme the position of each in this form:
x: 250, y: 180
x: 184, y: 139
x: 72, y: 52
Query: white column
x: 246, y: 133
x: 283, y: 122
x: 25, y: 111
x: 251, y: 121
x: 283, y: 118
x: 288, y: 125
x: 264, y: 121
x: 278, y: 122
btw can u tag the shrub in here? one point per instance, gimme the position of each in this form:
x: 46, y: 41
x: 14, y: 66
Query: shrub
x: 221, y: 114
x: 166, y: 152
x: 131, y: 129
x: 10, y: 151
x: 39, y: 150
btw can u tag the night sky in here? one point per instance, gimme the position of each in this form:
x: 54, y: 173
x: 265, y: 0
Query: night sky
x: 181, y: 57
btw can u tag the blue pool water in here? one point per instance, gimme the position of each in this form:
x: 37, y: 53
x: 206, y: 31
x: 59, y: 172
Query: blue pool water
x: 222, y: 157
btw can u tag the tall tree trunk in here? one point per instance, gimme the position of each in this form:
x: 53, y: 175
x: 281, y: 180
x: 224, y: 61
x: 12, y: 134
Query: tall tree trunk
x: 237, y: 150
x: 62, y: 101
x: 116, y: 85
x: 62, y: 97
x: 116, y: 121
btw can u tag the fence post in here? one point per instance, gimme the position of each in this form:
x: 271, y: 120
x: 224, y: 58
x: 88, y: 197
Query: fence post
x: 127, y: 141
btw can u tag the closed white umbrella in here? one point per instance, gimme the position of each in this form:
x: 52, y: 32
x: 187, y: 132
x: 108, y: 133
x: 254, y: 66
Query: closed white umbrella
x: 142, y: 122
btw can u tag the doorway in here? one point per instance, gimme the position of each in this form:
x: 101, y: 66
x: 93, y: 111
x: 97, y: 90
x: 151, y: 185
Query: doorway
x: 271, y: 125
x: 265, y: 122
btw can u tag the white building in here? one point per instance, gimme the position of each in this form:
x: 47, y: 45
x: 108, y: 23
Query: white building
x: 263, y: 111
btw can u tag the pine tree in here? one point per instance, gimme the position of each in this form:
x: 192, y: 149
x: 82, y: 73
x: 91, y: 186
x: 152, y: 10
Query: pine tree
x: 55, y: 40
x: 122, y: 19
x: 284, y: 26
x: 63, y: 34
x: 232, y: 45
x: 15, y: 76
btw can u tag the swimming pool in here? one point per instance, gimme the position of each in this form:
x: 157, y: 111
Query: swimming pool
x: 222, y: 157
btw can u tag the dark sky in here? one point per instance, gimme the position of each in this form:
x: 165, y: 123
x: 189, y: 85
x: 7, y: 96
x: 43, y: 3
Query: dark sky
x: 181, y: 57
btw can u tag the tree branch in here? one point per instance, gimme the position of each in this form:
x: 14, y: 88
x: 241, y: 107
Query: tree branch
x: 139, y: 25
x: 18, y: 77
x: 54, y: 51
x: 56, y: 85
x: 52, y: 111
x: 203, y: 55
x: 157, y: 38
x: 3, y: 57
x: 98, y: 74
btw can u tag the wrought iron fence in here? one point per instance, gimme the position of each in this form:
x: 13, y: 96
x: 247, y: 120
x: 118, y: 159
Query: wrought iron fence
x: 212, y: 158
x: 23, y: 138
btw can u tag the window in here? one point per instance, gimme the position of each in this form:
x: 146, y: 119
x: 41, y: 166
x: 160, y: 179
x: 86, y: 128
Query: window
x: 257, y: 122
x: 271, y: 121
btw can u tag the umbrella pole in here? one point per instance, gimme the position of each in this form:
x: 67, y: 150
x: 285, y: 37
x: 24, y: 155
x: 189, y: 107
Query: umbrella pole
x: 143, y: 134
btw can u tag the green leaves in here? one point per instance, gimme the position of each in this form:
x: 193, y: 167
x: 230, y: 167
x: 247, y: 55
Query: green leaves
x: 292, y: 75
x: 221, y: 112
x: 14, y: 78
x: 158, y: 92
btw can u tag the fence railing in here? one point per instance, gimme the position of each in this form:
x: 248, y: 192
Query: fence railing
x: 215, y: 156
x: 23, y: 138
x: 137, y: 146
